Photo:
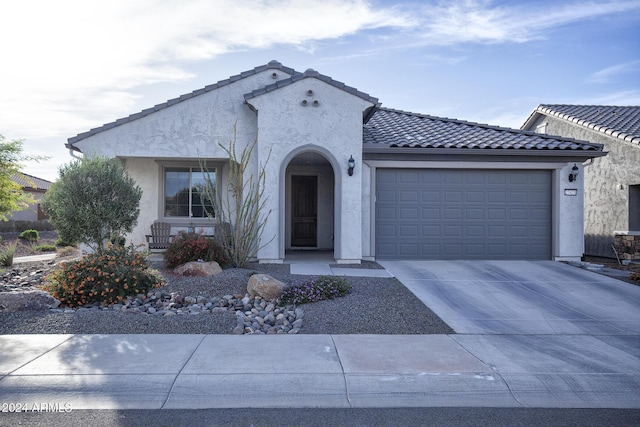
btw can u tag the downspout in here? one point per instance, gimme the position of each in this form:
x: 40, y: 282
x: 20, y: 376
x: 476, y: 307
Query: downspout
x: 72, y: 154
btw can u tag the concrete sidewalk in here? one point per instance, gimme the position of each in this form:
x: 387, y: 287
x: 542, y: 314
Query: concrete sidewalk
x: 319, y: 371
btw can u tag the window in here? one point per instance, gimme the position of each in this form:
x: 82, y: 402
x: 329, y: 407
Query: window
x: 184, y: 192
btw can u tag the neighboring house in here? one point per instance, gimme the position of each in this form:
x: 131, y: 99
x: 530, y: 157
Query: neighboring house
x: 611, y: 183
x: 36, y: 187
x: 421, y: 187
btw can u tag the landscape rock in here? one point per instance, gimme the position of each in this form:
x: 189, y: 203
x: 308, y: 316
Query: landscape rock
x: 198, y: 269
x: 265, y: 286
x: 27, y: 300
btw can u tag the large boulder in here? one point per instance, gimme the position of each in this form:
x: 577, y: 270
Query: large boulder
x: 265, y: 286
x: 27, y: 300
x: 198, y: 269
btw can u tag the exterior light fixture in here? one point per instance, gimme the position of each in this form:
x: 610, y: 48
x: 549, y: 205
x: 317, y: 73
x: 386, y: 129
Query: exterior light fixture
x: 574, y: 173
x: 352, y: 165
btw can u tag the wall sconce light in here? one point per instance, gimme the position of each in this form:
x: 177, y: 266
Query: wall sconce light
x: 352, y: 165
x: 574, y: 173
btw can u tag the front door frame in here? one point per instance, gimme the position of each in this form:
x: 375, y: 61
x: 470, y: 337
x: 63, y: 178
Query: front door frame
x: 284, y: 236
x: 304, y: 211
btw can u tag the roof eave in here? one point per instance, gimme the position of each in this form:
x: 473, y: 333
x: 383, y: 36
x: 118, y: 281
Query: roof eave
x: 533, y: 117
x: 399, y: 153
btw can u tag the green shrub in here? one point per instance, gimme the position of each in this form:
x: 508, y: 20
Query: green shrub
x: 45, y: 248
x: 6, y: 254
x: 635, y: 276
x: 324, y: 287
x: 63, y: 243
x: 31, y: 236
x: 192, y: 247
x: 107, y: 277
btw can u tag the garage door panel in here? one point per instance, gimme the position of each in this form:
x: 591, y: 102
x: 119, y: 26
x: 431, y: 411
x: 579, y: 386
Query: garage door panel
x: 474, y: 196
x: 408, y: 196
x: 430, y: 196
x: 408, y: 213
x: 474, y: 231
x: 430, y: 213
x: 496, y: 213
x: 463, y: 214
x: 497, y: 197
x: 453, y: 196
x: 430, y: 231
x: 408, y: 231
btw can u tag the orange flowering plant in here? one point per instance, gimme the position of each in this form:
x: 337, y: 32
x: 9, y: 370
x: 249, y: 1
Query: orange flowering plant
x: 635, y: 276
x: 109, y: 276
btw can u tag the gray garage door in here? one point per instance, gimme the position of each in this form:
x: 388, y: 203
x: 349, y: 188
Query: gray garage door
x: 463, y: 214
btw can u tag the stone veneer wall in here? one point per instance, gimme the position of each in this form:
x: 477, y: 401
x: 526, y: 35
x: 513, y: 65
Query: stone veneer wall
x: 627, y: 244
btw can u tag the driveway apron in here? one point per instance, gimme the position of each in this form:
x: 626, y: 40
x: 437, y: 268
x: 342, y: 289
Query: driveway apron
x: 522, y: 297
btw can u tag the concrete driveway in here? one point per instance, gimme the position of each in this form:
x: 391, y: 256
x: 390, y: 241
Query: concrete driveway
x: 556, y: 335
x: 522, y: 297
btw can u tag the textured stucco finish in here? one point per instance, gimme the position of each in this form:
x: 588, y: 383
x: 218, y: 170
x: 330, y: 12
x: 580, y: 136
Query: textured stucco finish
x: 606, y: 184
x: 332, y: 128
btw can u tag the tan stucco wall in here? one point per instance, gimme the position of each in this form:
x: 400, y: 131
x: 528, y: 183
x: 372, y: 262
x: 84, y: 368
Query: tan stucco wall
x: 606, y: 184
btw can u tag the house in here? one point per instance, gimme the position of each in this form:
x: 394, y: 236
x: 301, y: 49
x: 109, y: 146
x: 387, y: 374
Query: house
x: 345, y: 175
x: 611, y: 183
x: 36, y: 187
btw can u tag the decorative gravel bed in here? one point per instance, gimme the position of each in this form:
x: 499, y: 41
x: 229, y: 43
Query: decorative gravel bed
x: 374, y: 306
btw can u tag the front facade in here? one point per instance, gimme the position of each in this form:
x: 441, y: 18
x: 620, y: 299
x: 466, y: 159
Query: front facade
x: 612, y: 183
x: 36, y: 187
x: 417, y: 186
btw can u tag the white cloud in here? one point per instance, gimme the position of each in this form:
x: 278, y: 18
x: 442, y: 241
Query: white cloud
x: 71, y: 61
x: 622, y: 98
x: 480, y: 21
x: 609, y: 74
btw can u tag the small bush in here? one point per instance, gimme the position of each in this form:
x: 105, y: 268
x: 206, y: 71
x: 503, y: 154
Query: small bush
x: 63, y: 243
x: 30, y: 236
x: 192, y: 247
x: 108, y: 277
x: 6, y: 254
x: 67, y: 250
x: 635, y: 276
x: 45, y: 248
x: 324, y: 287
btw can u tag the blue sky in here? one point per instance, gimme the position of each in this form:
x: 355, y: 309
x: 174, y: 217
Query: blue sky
x: 68, y: 66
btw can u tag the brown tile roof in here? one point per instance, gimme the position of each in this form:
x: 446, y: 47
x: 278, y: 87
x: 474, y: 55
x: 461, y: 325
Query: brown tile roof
x: 616, y: 121
x: 31, y: 182
x: 401, y: 129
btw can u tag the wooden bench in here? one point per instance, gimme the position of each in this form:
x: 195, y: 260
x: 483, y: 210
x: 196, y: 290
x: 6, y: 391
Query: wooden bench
x: 160, y: 237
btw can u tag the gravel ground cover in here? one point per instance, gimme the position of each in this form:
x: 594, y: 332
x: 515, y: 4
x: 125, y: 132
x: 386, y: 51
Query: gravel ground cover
x: 374, y: 306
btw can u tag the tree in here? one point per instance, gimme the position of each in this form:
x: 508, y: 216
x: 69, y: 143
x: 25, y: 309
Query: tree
x: 241, y: 215
x: 93, y: 201
x: 12, y: 198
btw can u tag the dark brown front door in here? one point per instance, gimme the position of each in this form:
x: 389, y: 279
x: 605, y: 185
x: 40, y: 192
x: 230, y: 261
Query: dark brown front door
x: 304, y: 210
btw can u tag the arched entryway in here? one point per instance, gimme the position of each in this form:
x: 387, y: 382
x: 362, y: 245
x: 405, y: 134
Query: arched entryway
x: 309, y: 214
